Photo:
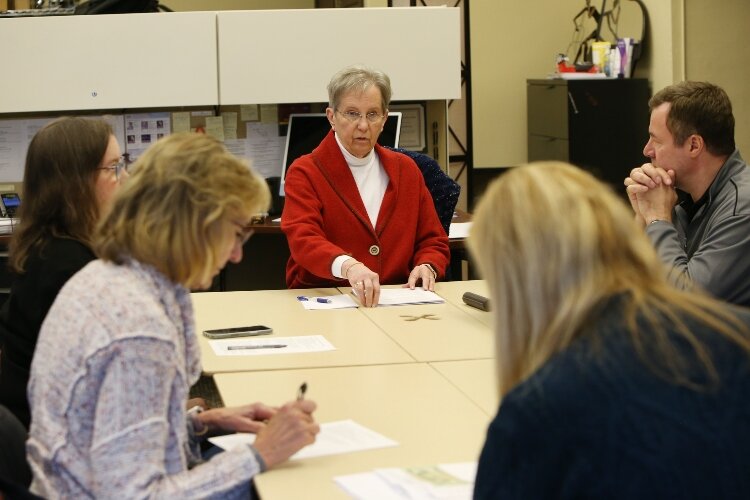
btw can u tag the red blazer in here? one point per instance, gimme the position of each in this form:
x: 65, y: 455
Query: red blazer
x: 324, y: 217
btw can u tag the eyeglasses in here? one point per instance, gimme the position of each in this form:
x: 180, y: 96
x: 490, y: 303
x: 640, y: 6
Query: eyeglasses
x: 121, y: 166
x: 242, y: 233
x: 356, y: 116
x: 245, y: 235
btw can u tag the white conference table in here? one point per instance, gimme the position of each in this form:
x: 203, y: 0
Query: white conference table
x: 452, y: 291
x: 358, y: 341
x: 476, y: 379
x: 430, y: 418
x: 433, y: 332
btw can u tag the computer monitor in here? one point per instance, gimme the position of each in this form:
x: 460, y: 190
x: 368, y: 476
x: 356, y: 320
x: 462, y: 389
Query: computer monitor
x: 306, y: 130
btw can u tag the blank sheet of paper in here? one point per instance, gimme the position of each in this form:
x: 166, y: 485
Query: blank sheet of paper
x: 343, y: 436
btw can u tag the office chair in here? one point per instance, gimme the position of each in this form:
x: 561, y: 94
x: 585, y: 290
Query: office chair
x: 15, y: 474
x: 444, y: 190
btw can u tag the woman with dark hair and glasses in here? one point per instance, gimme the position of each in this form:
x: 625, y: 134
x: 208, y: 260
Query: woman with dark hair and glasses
x: 73, y: 168
x: 356, y: 213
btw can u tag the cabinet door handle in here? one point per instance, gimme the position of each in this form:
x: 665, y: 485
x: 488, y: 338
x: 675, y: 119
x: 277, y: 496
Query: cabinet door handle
x: 573, y: 103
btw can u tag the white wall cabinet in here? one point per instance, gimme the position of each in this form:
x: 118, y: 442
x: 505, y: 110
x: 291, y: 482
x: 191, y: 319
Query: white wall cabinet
x: 226, y: 57
x: 288, y: 56
x: 108, y: 62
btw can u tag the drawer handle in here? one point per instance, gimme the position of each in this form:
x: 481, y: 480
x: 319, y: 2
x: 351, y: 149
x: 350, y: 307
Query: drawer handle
x: 573, y: 103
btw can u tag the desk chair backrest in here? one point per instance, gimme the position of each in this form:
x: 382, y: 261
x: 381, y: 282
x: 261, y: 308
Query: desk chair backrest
x: 15, y: 474
x: 444, y: 190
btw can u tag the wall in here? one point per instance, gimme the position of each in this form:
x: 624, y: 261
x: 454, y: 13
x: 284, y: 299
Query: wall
x: 714, y: 41
x: 512, y: 41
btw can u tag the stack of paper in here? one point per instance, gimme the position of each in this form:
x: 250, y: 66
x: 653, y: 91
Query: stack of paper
x: 7, y: 225
x: 459, y: 230
x: 443, y: 481
x: 405, y: 296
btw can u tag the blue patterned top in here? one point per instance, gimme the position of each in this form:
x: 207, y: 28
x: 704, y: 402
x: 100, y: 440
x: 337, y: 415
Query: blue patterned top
x: 116, y: 357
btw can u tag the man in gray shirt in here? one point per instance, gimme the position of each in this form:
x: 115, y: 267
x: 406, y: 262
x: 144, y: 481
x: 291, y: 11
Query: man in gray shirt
x: 704, y: 234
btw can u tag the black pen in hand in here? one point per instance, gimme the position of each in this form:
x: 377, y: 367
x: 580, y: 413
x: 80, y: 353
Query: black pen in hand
x: 301, y: 391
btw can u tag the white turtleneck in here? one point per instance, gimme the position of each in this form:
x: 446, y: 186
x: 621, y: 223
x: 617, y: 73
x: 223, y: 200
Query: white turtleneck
x: 372, y: 181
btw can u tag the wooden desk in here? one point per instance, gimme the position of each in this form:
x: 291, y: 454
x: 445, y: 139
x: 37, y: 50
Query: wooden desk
x: 357, y: 340
x: 456, y: 334
x: 476, y: 378
x: 452, y: 291
x: 412, y: 404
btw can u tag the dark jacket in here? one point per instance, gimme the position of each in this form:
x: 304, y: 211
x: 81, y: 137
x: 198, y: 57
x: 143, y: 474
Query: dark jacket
x: 21, y: 317
x: 596, y: 422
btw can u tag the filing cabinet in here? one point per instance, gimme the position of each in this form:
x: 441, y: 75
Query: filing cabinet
x: 599, y: 125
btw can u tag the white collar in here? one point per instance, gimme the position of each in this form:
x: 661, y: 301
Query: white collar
x: 352, y: 160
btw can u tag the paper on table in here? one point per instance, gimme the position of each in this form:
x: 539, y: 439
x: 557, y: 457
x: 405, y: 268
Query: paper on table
x: 337, y: 302
x: 459, y: 230
x: 254, y: 346
x: 335, y: 438
x: 7, y: 225
x: 405, y: 296
x: 444, y: 481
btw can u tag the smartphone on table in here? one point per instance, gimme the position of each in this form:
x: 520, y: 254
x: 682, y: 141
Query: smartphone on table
x: 237, y: 331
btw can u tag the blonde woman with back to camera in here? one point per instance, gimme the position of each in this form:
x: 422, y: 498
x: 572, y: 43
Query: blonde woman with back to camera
x: 614, y: 384
x: 118, y: 352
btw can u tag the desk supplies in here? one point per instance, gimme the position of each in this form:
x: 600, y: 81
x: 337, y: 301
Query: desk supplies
x: 265, y: 346
x: 475, y: 300
x: 341, y: 301
x: 276, y: 345
x: 320, y: 300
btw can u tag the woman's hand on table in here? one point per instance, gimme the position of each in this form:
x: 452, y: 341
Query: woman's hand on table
x: 422, y: 273
x: 366, y: 283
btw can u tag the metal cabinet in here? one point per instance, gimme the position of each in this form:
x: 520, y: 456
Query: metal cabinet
x: 599, y: 125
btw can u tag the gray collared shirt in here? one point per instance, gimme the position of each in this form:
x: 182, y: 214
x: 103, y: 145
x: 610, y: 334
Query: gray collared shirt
x: 712, y: 250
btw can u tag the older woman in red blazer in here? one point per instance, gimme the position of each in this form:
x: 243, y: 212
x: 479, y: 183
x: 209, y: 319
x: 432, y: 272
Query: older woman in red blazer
x: 355, y: 213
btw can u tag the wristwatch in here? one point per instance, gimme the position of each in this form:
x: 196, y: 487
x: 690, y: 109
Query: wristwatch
x: 199, y: 428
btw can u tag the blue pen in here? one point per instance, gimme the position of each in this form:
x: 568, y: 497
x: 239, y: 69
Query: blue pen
x: 321, y: 300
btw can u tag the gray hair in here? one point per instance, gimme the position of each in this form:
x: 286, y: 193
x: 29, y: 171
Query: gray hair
x: 358, y: 79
